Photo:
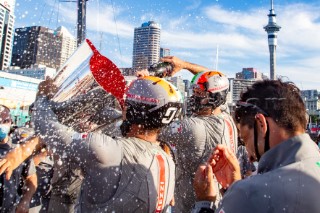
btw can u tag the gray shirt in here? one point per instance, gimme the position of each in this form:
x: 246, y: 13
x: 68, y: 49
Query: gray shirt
x: 288, y: 180
x: 194, y: 138
x: 125, y: 175
x: 244, y: 161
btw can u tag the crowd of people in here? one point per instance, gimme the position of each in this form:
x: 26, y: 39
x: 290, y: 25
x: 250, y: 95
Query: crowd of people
x: 166, y: 162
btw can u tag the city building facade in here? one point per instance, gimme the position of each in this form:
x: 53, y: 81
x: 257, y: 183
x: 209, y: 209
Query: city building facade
x: 37, y: 45
x: 18, y: 92
x: 236, y: 87
x: 36, y: 71
x: 68, y: 44
x: 249, y: 73
x: 6, y: 32
x: 127, y: 71
x: 146, y: 45
x: 180, y: 84
x: 312, y: 101
x: 164, y: 52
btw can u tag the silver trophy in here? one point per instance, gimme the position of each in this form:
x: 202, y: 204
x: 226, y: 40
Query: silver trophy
x: 90, y: 90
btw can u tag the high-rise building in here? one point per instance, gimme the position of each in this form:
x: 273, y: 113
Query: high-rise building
x: 179, y: 83
x: 272, y: 29
x: 311, y: 100
x: 249, y: 73
x: 68, y: 44
x: 37, y: 71
x: 237, y: 86
x: 146, y: 45
x: 164, y: 52
x: 37, y: 45
x: 6, y: 32
x: 126, y: 71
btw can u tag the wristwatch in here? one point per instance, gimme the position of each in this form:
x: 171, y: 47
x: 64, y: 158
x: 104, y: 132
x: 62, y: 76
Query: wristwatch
x: 203, y: 207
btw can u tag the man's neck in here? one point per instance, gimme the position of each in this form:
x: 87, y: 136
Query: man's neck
x: 279, y: 134
x: 146, y: 135
x: 208, y: 111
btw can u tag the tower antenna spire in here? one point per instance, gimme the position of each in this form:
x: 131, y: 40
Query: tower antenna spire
x: 272, y: 29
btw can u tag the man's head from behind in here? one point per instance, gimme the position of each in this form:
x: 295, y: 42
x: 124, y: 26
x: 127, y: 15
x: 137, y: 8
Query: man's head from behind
x: 210, y: 91
x: 151, y: 103
x: 266, y: 102
x: 5, y: 122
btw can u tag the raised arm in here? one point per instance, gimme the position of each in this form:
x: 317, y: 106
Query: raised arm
x: 180, y: 64
x: 55, y: 135
x: 70, y: 145
x: 18, y: 155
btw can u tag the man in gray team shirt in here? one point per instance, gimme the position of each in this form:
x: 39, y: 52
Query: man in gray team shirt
x: 194, y: 137
x: 271, y: 119
x: 131, y: 174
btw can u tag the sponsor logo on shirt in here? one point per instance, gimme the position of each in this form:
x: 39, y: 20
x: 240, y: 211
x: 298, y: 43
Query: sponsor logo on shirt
x: 222, y: 211
x: 162, y: 183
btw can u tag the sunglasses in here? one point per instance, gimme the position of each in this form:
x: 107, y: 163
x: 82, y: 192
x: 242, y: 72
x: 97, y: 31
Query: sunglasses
x: 243, y: 108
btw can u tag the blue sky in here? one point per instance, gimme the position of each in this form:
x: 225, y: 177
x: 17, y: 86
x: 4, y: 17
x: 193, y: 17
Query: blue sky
x: 193, y: 29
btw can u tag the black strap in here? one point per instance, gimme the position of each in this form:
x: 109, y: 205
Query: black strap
x: 267, y: 141
x: 255, y: 135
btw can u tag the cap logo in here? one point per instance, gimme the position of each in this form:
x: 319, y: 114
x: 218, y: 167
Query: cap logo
x: 142, y: 99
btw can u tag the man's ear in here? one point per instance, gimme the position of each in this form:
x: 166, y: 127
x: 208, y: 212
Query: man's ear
x: 262, y: 126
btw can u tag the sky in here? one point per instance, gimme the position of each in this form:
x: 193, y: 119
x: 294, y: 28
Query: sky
x: 194, y: 30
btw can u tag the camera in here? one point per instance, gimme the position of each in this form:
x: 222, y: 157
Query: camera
x: 161, y: 69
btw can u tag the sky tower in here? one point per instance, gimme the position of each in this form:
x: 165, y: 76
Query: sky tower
x: 272, y: 29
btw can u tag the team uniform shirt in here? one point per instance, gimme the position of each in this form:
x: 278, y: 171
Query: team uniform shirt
x: 124, y: 175
x: 66, y: 184
x: 10, y: 190
x: 288, y: 180
x: 245, y: 164
x: 194, y: 138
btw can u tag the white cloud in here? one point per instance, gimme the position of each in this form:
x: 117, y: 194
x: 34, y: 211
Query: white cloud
x: 243, y: 41
x: 193, y: 4
x: 194, y: 32
x: 101, y: 17
x: 252, y: 20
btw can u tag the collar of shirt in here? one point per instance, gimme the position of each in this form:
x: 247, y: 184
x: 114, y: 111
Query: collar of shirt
x: 293, y: 150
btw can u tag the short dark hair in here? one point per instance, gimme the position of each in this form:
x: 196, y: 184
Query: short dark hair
x: 276, y: 99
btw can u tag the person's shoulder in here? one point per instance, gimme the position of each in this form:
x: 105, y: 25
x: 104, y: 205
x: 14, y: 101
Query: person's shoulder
x: 96, y: 135
x: 240, y: 197
x: 175, y: 128
x: 218, y: 119
x: 95, y: 139
x: 251, y: 184
x: 197, y: 121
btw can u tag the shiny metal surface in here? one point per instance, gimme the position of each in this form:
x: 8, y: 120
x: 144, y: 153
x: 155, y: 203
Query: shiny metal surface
x: 80, y: 102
